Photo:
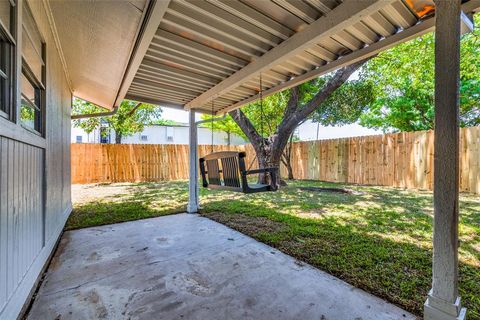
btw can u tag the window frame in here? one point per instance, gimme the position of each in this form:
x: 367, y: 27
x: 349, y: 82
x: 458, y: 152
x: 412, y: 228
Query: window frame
x: 37, y: 109
x: 38, y: 84
x: 105, y: 139
x: 8, y: 45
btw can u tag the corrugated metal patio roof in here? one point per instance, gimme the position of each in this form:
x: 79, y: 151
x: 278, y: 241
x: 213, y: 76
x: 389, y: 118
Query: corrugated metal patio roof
x: 200, y: 44
x: 210, y: 54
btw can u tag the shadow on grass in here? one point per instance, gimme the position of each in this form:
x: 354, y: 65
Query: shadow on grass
x: 102, y: 213
x: 397, y: 271
x: 141, y: 201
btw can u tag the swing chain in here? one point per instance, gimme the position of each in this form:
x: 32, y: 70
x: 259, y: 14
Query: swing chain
x: 211, y: 122
x: 261, y: 111
x: 261, y: 118
x: 260, y: 92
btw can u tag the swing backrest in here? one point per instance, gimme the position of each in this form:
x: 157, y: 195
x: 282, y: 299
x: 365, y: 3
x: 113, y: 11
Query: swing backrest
x: 224, y: 170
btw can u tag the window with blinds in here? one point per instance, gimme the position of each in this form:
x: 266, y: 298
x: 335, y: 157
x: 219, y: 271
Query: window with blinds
x: 7, y: 47
x: 33, y: 74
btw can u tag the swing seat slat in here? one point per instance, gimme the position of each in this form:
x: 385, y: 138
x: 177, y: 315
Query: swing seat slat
x: 226, y: 170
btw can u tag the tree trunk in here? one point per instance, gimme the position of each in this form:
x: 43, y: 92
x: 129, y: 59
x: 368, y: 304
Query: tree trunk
x: 290, y: 170
x: 268, y: 157
x: 286, y: 159
x: 118, y: 137
x: 228, y: 138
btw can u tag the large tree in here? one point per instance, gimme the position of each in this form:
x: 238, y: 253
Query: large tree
x: 130, y: 118
x: 292, y: 107
x: 265, y: 119
x: 404, y: 84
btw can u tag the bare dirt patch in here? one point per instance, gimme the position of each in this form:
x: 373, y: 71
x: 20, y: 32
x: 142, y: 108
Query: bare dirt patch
x: 333, y: 190
x: 83, y: 193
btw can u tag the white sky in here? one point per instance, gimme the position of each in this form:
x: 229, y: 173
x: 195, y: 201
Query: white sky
x: 307, y: 131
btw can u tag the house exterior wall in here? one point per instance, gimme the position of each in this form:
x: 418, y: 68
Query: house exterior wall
x: 159, y: 135
x: 78, y: 135
x: 35, y: 198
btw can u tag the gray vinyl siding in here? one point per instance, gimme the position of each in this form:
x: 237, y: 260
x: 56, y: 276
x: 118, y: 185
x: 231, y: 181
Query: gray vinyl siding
x: 21, y: 219
x: 35, y: 198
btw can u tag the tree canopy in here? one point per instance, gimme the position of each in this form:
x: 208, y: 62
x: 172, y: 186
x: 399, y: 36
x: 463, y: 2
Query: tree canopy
x: 226, y: 125
x: 403, y: 81
x: 130, y: 118
x: 345, y: 105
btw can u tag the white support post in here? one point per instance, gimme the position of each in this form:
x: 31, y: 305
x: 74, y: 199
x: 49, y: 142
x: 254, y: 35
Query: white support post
x: 193, y: 203
x: 443, y: 302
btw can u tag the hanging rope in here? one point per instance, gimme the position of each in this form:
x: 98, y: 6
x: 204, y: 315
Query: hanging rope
x: 261, y: 116
x: 211, y: 122
x: 261, y: 111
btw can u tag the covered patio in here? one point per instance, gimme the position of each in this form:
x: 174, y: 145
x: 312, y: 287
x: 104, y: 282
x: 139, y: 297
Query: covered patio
x: 211, y: 57
x: 206, y: 57
x: 189, y: 267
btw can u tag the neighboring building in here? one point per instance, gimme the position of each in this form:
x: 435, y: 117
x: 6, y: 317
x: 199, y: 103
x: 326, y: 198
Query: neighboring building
x: 100, y: 135
x: 157, y: 134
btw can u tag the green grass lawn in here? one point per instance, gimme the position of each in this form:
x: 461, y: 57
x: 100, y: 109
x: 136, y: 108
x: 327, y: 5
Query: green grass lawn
x: 377, y: 239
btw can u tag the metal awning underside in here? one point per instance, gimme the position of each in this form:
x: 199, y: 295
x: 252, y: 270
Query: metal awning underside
x: 215, y: 50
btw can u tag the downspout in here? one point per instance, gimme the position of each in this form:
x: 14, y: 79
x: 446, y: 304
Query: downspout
x: 211, y: 120
x: 93, y: 115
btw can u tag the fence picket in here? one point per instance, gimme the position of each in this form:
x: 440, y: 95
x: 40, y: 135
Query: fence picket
x: 399, y: 159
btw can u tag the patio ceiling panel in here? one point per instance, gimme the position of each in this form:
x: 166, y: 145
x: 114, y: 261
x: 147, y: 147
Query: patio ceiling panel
x: 216, y: 50
x: 335, y: 39
x: 201, y: 43
x: 96, y: 41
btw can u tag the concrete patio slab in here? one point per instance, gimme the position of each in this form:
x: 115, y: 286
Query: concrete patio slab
x: 189, y: 267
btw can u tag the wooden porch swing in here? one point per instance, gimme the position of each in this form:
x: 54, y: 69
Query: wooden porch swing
x: 227, y: 170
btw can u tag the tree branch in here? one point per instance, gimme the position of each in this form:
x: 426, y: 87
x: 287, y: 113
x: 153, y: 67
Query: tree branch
x: 332, y: 84
x: 292, y: 103
x: 131, y: 112
x: 246, y: 125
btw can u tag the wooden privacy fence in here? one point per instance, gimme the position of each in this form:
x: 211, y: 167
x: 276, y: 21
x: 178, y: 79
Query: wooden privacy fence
x: 96, y: 163
x: 400, y: 160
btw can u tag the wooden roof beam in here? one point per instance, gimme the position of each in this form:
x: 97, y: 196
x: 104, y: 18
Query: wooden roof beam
x: 353, y: 57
